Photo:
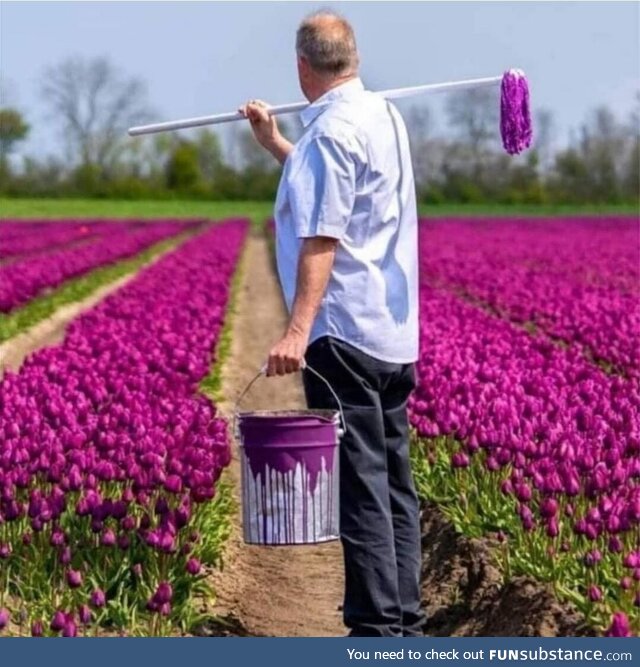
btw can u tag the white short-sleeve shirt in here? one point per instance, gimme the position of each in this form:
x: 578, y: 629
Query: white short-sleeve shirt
x: 350, y: 177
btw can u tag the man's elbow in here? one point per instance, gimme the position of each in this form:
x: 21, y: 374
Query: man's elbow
x: 320, y: 244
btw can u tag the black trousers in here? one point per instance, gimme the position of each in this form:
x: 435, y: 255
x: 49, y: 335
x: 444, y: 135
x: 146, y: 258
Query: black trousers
x: 379, y: 512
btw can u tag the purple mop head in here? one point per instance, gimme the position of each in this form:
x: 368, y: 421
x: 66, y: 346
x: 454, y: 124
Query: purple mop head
x: 515, y: 115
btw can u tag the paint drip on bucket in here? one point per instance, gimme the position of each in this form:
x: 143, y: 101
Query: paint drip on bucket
x: 290, y: 477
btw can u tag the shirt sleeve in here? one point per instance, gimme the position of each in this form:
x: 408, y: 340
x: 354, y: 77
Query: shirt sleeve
x: 322, y: 190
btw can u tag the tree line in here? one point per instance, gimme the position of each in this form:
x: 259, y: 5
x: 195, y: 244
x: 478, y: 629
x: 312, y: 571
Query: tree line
x: 94, y: 103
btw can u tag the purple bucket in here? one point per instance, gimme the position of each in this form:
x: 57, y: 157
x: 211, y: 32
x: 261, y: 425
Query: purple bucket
x: 290, y: 476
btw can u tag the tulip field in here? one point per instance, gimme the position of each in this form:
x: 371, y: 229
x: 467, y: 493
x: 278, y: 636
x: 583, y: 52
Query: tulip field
x: 527, y: 409
x: 32, y: 262
x: 525, y: 418
x: 110, y: 456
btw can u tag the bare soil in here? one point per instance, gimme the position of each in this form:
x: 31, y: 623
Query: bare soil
x: 464, y: 595
x: 269, y: 591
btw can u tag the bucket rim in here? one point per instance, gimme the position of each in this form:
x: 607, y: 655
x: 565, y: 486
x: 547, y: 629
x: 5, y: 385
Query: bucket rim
x: 330, y: 416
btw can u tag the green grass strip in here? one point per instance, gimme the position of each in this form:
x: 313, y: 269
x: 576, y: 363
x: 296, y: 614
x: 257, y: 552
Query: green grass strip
x: 259, y: 211
x: 16, y: 208
x: 38, y: 309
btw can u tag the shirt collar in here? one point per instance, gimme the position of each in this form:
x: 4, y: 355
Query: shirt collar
x: 343, y: 91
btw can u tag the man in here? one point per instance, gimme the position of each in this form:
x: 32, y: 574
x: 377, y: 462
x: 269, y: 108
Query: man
x: 346, y: 238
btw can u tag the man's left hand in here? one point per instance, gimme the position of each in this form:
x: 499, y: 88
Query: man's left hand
x: 287, y: 355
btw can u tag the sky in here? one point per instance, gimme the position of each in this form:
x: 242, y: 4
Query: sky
x: 199, y: 58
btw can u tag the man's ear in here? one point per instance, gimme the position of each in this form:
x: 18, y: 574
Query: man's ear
x: 303, y: 66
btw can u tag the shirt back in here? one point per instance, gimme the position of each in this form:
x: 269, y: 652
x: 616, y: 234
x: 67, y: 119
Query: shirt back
x: 350, y: 177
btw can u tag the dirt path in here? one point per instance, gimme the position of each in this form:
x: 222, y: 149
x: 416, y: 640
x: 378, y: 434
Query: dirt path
x: 51, y: 331
x: 272, y: 591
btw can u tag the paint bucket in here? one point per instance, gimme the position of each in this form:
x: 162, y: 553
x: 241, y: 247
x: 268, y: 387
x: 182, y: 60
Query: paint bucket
x: 290, y: 473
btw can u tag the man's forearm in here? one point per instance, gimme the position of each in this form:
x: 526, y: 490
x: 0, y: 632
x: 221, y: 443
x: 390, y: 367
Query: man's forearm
x: 314, y: 269
x: 280, y: 148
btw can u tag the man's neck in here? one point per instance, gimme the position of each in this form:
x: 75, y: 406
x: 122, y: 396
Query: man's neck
x: 334, y: 83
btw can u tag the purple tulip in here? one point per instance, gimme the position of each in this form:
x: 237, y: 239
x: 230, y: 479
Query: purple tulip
x: 549, y: 508
x: 108, y: 538
x: 506, y: 487
x: 84, y: 614
x: 58, y: 622
x: 5, y: 551
x: 70, y: 629
x: 619, y: 626
x: 173, y: 484
x: 591, y: 558
x: 193, y: 566
x: 4, y: 618
x: 460, y: 460
x: 164, y: 592
x: 74, y: 578
x: 162, y: 506
x: 615, y: 544
x: 57, y: 538
x: 523, y: 492
x: 128, y: 523
x: 626, y: 583
x: 98, y: 599
x: 594, y: 594
x: 167, y: 543
x: 37, y: 629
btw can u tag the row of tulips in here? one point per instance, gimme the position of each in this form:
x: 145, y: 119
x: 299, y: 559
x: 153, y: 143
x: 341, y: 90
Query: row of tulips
x: 526, y: 439
x: 16, y: 229
x: 46, y: 237
x: 110, y: 501
x: 576, y: 280
x: 23, y: 279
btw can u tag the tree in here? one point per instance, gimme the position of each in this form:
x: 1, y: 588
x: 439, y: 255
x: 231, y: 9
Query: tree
x: 13, y: 129
x: 602, y: 145
x: 474, y: 113
x: 419, y: 122
x: 183, y: 171
x: 631, y: 177
x: 95, y: 104
x: 209, y: 154
x: 544, y: 138
x: 253, y: 155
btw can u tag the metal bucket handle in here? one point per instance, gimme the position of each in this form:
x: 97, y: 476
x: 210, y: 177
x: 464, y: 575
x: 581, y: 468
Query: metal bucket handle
x: 262, y: 371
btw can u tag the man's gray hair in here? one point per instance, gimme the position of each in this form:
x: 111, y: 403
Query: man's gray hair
x: 327, y: 41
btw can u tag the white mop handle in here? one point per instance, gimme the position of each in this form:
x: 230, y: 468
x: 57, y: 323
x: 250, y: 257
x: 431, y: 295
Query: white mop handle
x: 393, y: 93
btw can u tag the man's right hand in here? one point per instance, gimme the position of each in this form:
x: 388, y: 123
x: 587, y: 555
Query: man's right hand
x: 265, y: 129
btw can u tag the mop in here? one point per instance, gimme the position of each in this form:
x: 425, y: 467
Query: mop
x: 515, y: 116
